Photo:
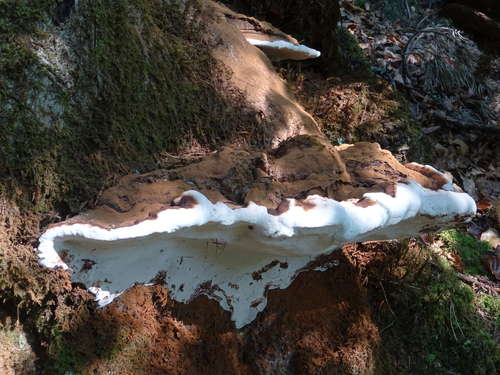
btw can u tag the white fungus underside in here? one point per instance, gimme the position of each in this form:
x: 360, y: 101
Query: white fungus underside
x: 285, y: 45
x: 223, y: 246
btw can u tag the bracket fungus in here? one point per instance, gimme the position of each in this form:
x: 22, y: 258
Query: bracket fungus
x: 279, y: 49
x: 276, y: 44
x: 238, y: 223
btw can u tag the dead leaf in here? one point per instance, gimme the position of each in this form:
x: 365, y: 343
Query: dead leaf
x: 453, y: 258
x: 484, y: 204
x: 427, y: 238
x: 351, y: 27
x: 492, y: 263
x: 394, y: 40
x: 430, y: 129
x: 413, y: 59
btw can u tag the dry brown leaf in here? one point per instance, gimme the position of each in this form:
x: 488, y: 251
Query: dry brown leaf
x: 462, y: 146
x: 484, y: 204
x: 393, y: 39
x: 413, y: 59
x: 492, y: 263
x: 454, y: 259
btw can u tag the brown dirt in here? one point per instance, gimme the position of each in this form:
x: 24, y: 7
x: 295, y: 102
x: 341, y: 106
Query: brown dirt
x: 349, y: 109
x: 320, y: 325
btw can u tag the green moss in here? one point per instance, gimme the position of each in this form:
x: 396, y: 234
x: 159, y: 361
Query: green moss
x: 351, y: 58
x: 469, y: 249
x: 145, y: 83
x: 433, y: 325
x: 63, y: 357
x: 491, y: 307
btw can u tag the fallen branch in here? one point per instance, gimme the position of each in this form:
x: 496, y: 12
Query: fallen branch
x: 480, y: 283
x: 469, y: 126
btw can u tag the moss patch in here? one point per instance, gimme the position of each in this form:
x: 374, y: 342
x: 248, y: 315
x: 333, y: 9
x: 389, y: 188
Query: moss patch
x: 469, y: 249
x: 429, y: 321
x: 144, y: 83
x: 351, y: 58
x: 351, y: 109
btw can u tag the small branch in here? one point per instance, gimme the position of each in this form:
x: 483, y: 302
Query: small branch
x: 485, y: 285
x: 386, y: 300
x: 470, y: 126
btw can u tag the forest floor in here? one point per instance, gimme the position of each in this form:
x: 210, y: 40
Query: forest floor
x: 436, y: 299
x: 430, y: 304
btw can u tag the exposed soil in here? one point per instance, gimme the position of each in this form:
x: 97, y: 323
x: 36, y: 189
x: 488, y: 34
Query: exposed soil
x: 320, y: 325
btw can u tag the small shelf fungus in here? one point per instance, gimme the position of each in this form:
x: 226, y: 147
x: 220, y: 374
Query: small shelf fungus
x: 254, y: 222
x: 280, y: 49
x: 276, y: 44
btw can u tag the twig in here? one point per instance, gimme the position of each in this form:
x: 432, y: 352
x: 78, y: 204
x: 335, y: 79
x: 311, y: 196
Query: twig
x: 451, y: 323
x: 408, y: 9
x: 386, y: 300
x: 387, y: 327
x: 488, y: 287
x: 454, y: 315
x: 456, y: 320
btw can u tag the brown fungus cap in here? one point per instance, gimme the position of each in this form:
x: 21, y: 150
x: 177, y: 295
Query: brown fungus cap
x: 298, y: 168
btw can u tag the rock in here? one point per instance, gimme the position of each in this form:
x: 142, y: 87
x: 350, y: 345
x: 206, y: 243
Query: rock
x: 492, y: 237
x: 239, y: 223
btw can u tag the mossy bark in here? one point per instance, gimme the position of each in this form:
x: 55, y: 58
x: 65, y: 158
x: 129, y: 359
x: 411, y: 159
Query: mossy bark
x: 104, y: 93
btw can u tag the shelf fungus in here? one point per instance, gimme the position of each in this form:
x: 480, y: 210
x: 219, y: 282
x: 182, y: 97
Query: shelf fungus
x: 280, y: 49
x: 238, y: 223
x: 276, y: 44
